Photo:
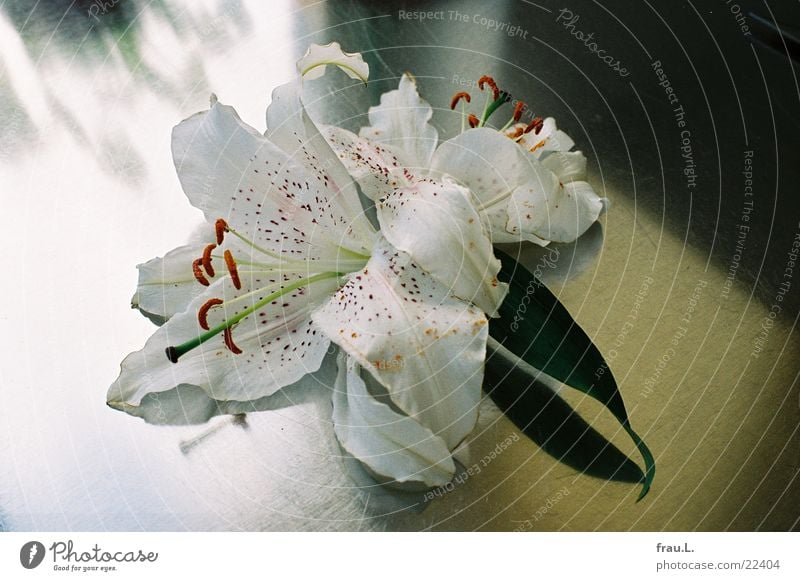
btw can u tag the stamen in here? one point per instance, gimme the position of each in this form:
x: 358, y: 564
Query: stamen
x: 535, y: 125
x: 231, y: 264
x: 174, y: 352
x: 487, y: 80
x: 473, y: 121
x: 227, y: 337
x: 206, y: 260
x: 202, y: 313
x: 220, y: 227
x: 518, y: 109
x: 198, y: 272
x: 457, y: 97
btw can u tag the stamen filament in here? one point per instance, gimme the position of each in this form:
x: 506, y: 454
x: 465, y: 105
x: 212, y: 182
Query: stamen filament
x: 283, y: 259
x: 176, y: 351
x: 516, y: 116
x: 247, y: 268
x: 352, y: 253
x: 253, y: 244
x: 464, y: 98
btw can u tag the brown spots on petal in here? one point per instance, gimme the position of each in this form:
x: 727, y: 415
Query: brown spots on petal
x: 477, y: 325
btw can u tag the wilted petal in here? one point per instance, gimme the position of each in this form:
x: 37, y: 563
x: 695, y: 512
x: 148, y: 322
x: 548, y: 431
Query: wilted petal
x: 313, y: 64
x: 436, y: 223
x: 550, y: 209
x: 393, y: 446
x: 491, y: 166
x: 568, y: 166
x: 402, y: 122
x: 425, y: 346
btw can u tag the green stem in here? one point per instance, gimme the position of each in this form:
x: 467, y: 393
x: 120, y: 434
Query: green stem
x: 494, y: 106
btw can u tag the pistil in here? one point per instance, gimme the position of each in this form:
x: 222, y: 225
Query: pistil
x: 175, y: 352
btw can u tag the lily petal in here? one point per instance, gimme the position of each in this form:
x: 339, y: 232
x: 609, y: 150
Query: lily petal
x: 436, y: 223
x: 229, y: 170
x: 553, y: 210
x: 313, y: 64
x: 377, y: 168
x: 491, y: 166
x: 167, y: 285
x: 290, y: 127
x: 279, y: 344
x: 188, y: 404
x: 569, y: 166
x: 402, y: 122
x: 424, y: 346
x: 549, y: 139
x: 393, y: 446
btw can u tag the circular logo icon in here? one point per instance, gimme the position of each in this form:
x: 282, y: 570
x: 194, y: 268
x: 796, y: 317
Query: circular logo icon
x: 31, y: 554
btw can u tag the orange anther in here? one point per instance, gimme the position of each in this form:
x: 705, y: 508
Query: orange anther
x: 202, y: 313
x: 518, y: 109
x: 227, y: 336
x: 220, y: 227
x: 457, y: 97
x: 487, y: 80
x: 198, y: 272
x: 231, y: 264
x: 206, y: 260
x: 473, y: 121
x: 535, y: 125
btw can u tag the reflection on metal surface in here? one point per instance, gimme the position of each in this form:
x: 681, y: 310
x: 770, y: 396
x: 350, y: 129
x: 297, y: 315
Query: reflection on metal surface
x: 708, y: 363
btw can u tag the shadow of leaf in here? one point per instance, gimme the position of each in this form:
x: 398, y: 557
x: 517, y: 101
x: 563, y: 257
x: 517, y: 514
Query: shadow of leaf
x: 553, y: 425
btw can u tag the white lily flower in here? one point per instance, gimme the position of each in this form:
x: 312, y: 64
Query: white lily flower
x: 295, y: 265
x: 519, y: 190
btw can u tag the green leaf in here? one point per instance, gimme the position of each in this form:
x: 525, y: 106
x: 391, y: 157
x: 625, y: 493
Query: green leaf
x: 550, y: 422
x: 536, y: 327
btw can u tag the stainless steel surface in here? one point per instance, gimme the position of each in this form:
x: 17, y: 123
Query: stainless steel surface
x: 678, y: 298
